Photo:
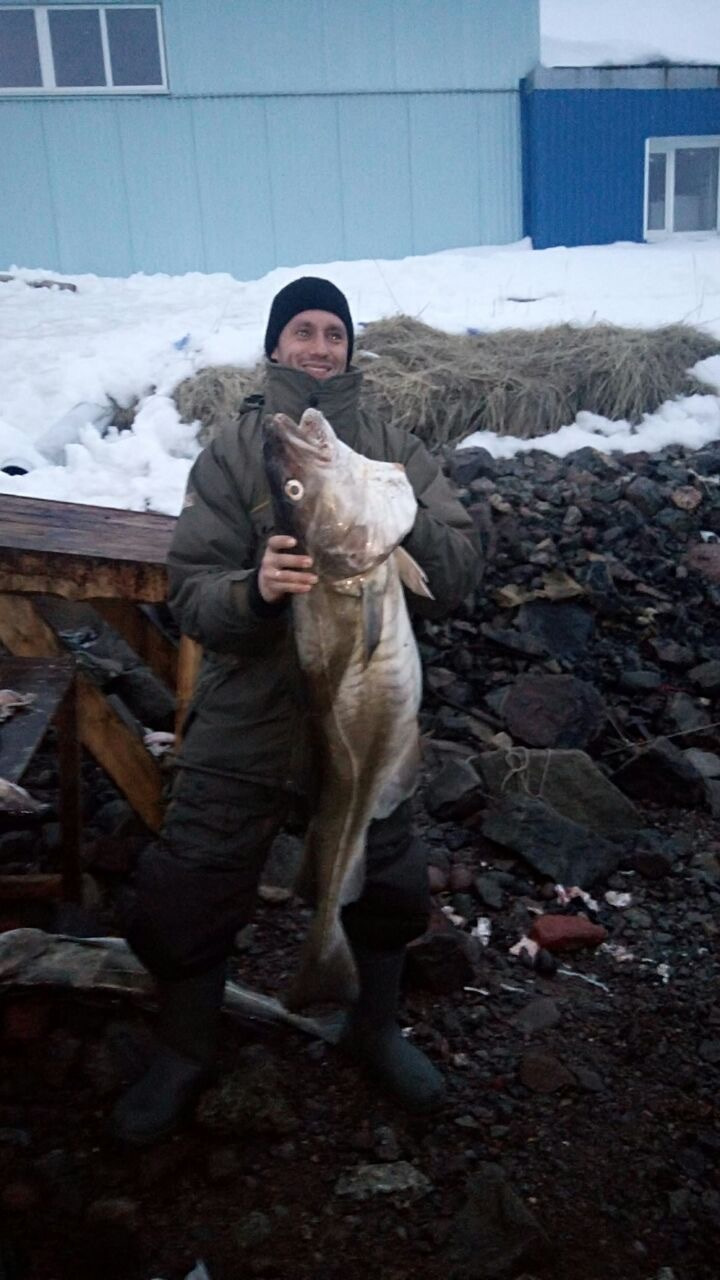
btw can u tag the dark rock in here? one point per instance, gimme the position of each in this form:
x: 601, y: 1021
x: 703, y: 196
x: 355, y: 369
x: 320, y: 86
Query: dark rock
x: 704, y: 559
x: 538, y: 1015
x: 640, y: 681
x: 553, y: 711
x: 489, y: 890
x: 647, y: 496
x: 600, y: 589
x: 17, y: 844
x: 568, y: 781
x: 545, y: 963
x: 555, y: 846
x: 494, y: 1235
x: 706, y: 676
x: 672, y: 653
x: 515, y: 641
x: 542, y: 1072
x: 249, y: 1100
x: 467, y: 465
x: 442, y: 960
x: 562, y: 629
x: 455, y: 792
x: 684, y: 716
x: 661, y: 774
x: 253, y: 1230
x: 706, y: 762
x: 283, y: 862
x: 648, y: 863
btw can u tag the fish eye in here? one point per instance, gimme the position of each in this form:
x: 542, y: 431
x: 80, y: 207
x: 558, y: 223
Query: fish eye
x: 294, y: 490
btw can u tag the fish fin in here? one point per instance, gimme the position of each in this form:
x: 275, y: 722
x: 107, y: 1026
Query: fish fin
x: 401, y: 785
x: 372, y: 609
x: 412, y: 575
x: 327, y: 973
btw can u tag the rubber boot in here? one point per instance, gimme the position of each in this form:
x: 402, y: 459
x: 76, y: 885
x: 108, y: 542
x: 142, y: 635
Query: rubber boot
x: 187, y: 1029
x: 372, y: 1037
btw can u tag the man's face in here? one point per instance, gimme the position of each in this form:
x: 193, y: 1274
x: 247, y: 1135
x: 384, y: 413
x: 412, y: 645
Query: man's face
x: 316, y: 342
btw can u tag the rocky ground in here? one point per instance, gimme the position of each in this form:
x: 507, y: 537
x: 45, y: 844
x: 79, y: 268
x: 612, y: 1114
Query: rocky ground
x: 571, y: 740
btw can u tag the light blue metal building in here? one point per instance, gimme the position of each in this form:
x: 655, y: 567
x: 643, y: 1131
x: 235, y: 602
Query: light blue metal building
x: 620, y: 153
x: 239, y: 135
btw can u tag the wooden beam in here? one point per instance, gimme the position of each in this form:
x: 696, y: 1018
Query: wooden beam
x: 38, y: 886
x: 122, y: 755
x: 143, y: 635
x: 189, y: 659
x: 24, y: 632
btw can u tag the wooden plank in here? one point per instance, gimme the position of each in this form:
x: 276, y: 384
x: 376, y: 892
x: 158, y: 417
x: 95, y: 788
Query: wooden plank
x: 22, y: 888
x: 49, y: 682
x: 120, y: 753
x: 79, y: 577
x: 109, y: 533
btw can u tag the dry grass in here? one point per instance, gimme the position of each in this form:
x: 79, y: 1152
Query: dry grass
x: 518, y: 382
x: 214, y: 395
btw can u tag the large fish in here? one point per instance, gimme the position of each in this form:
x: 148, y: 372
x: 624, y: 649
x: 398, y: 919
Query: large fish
x: 358, y: 653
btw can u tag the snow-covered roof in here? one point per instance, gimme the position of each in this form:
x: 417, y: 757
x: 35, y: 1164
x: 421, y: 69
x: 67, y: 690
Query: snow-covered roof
x: 663, y: 76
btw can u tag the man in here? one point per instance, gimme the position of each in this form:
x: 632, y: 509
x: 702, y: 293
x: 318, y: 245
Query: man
x: 246, y: 765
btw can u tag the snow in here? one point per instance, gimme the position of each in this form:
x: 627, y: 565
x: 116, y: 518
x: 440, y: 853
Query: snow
x: 583, y: 33
x: 64, y: 354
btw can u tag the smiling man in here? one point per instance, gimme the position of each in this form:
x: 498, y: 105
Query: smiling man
x: 246, y: 768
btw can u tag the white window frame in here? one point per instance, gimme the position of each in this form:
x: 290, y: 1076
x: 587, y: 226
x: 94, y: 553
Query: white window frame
x: 668, y: 146
x: 47, y: 67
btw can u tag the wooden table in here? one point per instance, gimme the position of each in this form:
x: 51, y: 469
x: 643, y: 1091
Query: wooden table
x: 116, y: 560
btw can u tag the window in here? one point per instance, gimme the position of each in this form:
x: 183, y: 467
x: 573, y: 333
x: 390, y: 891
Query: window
x: 682, y: 186
x: 81, y: 49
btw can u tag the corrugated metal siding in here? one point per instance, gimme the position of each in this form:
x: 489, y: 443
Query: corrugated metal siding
x: 342, y: 46
x: 118, y: 185
x: 584, y: 154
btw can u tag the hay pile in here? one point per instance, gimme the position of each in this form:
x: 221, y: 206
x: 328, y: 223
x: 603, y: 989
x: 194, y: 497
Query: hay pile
x: 522, y: 382
x: 214, y: 395
x: 517, y: 382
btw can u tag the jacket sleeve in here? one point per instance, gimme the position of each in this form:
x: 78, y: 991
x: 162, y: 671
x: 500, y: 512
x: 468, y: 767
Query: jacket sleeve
x: 212, y: 576
x: 443, y: 539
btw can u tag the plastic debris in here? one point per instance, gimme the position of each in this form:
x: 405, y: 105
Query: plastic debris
x: 618, y: 952
x: 10, y: 702
x: 15, y: 799
x: 382, y: 1179
x: 526, y: 945
x: 482, y: 929
x: 618, y: 899
x: 158, y: 743
x: 564, y: 896
x: 584, y: 977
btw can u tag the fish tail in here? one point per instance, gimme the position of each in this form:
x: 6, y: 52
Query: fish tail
x: 327, y: 973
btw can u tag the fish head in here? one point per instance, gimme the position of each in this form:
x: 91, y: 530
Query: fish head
x: 346, y: 511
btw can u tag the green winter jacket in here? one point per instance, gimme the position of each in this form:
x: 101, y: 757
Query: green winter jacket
x: 247, y: 717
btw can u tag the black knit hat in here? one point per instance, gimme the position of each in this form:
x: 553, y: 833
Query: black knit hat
x: 309, y: 293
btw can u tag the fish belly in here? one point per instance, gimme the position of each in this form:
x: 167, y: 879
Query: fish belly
x: 369, y: 761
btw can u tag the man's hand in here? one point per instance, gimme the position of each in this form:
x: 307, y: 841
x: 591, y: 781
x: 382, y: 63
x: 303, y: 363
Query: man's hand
x: 282, y: 573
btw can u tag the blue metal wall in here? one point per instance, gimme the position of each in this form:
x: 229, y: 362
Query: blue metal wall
x: 291, y: 133
x: 584, y: 157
